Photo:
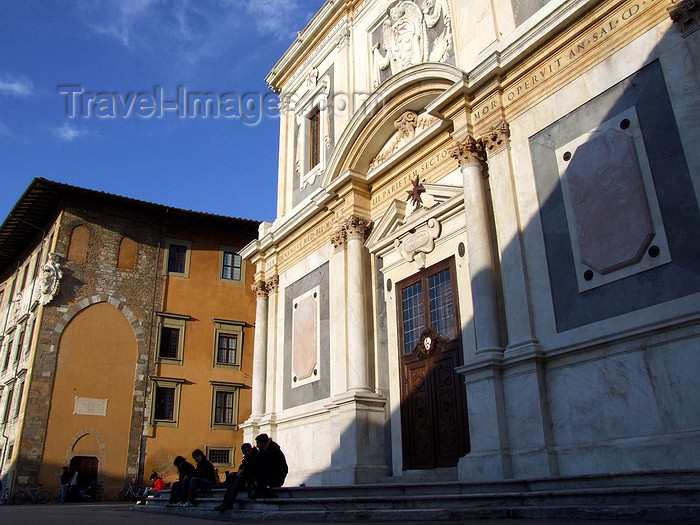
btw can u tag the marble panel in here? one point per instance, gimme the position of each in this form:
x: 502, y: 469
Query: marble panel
x: 305, y: 344
x: 646, y: 91
x: 318, y: 388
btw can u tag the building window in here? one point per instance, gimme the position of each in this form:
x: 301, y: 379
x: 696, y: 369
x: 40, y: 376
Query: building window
x: 171, y: 336
x: 427, y: 301
x: 164, y: 403
x: 8, y: 404
x: 127, y: 254
x: 228, y: 342
x: 31, y: 337
x: 79, y: 239
x: 37, y: 262
x: 228, y: 345
x: 223, y: 411
x: 224, y: 405
x: 220, y: 456
x: 25, y: 274
x: 20, y: 344
x: 177, y: 258
x: 231, y: 266
x: 169, y: 342
x: 313, y: 129
x: 18, y: 404
x: 314, y: 138
x: 8, y: 351
x: 166, y: 400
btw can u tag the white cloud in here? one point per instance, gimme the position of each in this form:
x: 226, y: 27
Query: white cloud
x: 184, y: 27
x: 192, y: 29
x: 68, y: 133
x: 20, y: 87
x: 5, y: 130
x: 280, y: 19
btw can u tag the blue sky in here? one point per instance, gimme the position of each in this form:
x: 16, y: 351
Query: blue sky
x: 120, y: 143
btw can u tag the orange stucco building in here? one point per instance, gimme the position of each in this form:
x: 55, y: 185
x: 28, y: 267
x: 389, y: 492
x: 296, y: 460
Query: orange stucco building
x: 127, y: 337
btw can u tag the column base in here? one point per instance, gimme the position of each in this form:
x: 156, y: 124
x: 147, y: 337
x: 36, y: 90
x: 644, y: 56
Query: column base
x: 360, y: 419
x: 487, y: 465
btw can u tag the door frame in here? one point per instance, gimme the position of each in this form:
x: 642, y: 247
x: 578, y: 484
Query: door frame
x: 463, y: 423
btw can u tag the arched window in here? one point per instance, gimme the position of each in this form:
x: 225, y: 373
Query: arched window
x: 77, y: 251
x: 127, y: 254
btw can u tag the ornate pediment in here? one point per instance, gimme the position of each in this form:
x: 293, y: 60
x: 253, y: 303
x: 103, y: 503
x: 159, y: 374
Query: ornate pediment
x: 410, y: 229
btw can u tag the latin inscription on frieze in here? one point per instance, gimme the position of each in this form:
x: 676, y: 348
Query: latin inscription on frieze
x: 599, y: 34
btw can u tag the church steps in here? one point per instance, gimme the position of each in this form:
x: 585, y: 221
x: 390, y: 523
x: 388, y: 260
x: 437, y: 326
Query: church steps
x: 647, y: 496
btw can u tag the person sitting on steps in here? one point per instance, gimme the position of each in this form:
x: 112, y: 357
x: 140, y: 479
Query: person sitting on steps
x: 204, y: 477
x: 185, y: 471
x: 158, y: 486
x: 270, y: 467
x: 235, y: 482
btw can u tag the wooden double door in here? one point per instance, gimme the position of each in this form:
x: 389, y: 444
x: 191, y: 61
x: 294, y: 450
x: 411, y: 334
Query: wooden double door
x: 433, y: 405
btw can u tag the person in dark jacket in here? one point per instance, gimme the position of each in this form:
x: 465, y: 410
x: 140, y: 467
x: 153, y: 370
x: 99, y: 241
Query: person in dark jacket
x: 185, y: 470
x: 235, y: 482
x: 204, y: 477
x: 270, y: 467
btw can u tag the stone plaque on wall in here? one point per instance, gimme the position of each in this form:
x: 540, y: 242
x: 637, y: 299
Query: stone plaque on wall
x: 87, y: 406
x: 305, y: 339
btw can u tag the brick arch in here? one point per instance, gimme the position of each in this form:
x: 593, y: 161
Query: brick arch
x: 141, y: 386
x: 101, y: 458
x: 75, y: 308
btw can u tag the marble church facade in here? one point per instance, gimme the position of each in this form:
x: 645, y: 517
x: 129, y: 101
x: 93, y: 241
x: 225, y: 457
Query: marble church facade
x: 486, y: 257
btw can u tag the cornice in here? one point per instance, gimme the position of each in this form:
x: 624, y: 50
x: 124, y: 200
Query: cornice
x: 310, y: 42
x: 290, y: 223
x: 525, y: 39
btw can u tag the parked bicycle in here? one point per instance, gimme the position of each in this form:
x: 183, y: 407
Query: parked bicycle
x: 31, y: 494
x: 131, y: 493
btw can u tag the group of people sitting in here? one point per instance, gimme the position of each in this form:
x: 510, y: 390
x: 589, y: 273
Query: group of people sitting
x: 262, y: 468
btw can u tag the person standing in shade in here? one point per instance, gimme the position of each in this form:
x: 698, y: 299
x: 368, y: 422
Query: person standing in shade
x: 65, y: 481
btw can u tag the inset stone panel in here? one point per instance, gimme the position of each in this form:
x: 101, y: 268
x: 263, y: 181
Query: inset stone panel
x: 306, y: 339
x: 611, y: 205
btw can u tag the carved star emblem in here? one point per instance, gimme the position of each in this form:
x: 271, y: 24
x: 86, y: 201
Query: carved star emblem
x: 414, y: 193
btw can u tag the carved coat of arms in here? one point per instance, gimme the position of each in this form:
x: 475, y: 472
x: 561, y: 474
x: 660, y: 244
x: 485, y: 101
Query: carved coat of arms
x: 405, y: 40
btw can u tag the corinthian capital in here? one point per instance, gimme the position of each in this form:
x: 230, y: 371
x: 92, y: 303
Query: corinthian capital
x: 259, y: 288
x: 272, y: 284
x: 497, y: 137
x: 355, y: 226
x: 687, y: 15
x: 338, y: 240
x: 471, y: 151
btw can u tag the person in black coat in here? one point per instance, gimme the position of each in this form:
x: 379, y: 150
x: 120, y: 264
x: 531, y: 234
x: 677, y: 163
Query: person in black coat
x: 185, y: 471
x: 270, y: 467
x: 204, y: 477
x: 245, y: 475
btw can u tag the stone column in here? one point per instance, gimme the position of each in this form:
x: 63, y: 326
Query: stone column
x: 260, y: 350
x: 513, y: 278
x: 355, y: 228
x: 471, y: 157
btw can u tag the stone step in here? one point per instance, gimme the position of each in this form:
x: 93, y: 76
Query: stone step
x: 631, y: 496
x: 613, y: 496
x: 652, y: 513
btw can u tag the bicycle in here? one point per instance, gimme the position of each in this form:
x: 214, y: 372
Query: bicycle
x: 131, y: 493
x: 31, y: 495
